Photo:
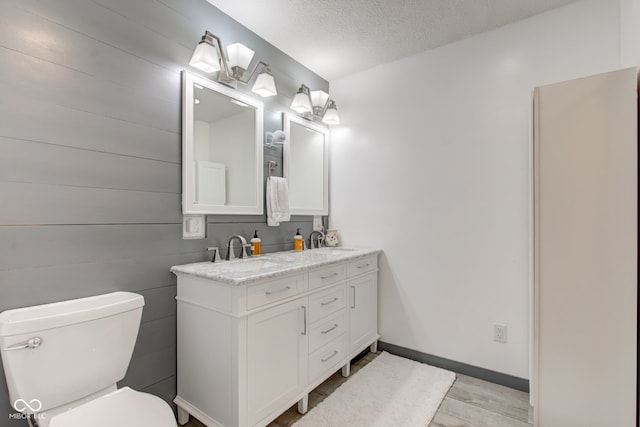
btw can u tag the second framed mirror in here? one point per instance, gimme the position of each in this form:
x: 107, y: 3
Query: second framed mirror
x: 306, y: 166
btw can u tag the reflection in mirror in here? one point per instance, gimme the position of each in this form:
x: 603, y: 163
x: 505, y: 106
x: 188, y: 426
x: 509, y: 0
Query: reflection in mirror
x: 222, y: 149
x: 306, y: 166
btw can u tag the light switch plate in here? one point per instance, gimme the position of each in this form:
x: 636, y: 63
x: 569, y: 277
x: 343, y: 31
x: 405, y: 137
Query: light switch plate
x: 194, y: 227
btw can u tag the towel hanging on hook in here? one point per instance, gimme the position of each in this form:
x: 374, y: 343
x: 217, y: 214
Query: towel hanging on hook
x: 277, y: 198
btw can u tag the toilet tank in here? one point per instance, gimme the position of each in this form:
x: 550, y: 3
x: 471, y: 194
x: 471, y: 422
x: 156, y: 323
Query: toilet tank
x: 85, y: 346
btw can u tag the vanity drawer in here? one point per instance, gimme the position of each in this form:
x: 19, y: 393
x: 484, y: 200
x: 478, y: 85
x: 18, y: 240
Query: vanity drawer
x: 276, y: 290
x: 326, y: 330
x: 326, y: 302
x: 363, y: 265
x: 327, y: 357
x: 327, y: 276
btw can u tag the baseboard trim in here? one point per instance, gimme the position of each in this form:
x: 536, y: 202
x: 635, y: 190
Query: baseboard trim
x: 459, y: 367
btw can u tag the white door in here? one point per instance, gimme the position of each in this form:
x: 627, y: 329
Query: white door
x: 585, y: 291
x: 363, y: 312
x: 277, y: 357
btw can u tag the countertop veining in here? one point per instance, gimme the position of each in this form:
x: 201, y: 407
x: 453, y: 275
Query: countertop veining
x: 272, y: 265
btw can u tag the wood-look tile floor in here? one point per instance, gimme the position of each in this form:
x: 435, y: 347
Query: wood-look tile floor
x: 469, y: 403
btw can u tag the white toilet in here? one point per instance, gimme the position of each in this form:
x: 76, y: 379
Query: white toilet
x: 62, y: 362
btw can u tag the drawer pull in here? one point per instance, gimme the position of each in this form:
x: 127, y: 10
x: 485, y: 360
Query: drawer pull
x: 304, y: 320
x: 329, y: 357
x: 286, y: 288
x: 329, y: 302
x: 329, y: 276
x: 363, y: 266
x: 353, y: 300
x: 335, y: 325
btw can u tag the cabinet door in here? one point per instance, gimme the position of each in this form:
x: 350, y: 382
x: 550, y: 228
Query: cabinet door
x: 586, y: 228
x: 363, y: 311
x: 277, y: 357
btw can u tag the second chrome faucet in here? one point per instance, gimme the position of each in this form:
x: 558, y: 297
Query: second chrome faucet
x: 319, y: 239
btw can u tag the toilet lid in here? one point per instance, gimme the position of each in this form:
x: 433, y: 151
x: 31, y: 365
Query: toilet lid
x: 123, y: 408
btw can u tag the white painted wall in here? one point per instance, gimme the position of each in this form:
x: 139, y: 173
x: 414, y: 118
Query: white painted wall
x: 432, y: 166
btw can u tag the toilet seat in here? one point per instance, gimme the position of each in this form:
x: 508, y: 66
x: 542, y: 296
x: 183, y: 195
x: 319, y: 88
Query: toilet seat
x: 123, y: 408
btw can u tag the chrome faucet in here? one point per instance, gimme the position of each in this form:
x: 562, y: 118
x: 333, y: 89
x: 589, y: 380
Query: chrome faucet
x: 319, y: 239
x: 243, y: 242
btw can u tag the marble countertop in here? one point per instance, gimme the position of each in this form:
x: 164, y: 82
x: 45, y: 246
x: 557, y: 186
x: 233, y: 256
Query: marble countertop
x: 270, y: 266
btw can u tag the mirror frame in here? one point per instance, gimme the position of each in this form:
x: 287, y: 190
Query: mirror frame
x: 188, y: 166
x: 291, y: 118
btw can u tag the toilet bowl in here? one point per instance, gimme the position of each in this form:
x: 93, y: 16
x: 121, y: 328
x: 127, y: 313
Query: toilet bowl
x: 62, y: 362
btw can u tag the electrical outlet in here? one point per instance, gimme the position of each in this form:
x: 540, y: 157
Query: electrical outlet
x: 194, y: 227
x: 500, y: 332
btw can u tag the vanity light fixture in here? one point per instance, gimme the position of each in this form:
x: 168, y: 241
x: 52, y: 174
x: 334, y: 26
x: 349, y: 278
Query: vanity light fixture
x: 315, y: 105
x: 301, y: 103
x: 210, y: 57
x: 331, y: 116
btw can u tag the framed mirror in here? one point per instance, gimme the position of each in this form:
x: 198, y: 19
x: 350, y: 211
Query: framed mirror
x: 306, y: 166
x: 221, y: 149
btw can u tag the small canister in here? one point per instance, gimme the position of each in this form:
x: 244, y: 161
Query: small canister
x: 331, y: 238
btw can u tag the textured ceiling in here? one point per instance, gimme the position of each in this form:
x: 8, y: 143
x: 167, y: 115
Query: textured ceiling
x: 335, y: 38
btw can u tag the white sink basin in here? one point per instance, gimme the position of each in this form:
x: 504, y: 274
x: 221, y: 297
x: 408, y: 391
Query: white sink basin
x: 242, y: 266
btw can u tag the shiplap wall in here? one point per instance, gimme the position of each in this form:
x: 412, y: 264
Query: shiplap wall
x: 90, y: 152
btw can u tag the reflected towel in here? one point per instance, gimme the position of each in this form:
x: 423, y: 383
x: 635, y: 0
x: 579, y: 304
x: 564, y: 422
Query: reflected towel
x: 277, y: 200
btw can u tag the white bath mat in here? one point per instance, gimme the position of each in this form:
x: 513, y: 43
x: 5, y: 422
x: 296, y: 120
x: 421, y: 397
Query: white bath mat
x: 389, y: 391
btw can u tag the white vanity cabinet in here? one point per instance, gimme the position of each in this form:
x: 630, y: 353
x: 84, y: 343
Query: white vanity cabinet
x: 363, y: 307
x: 277, y: 340
x: 363, y: 311
x: 250, y: 348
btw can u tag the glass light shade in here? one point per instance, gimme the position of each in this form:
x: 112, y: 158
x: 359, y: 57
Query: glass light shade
x: 301, y: 103
x: 205, y: 58
x: 239, y: 55
x: 331, y: 115
x: 319, y: 98
x: 265, y: 85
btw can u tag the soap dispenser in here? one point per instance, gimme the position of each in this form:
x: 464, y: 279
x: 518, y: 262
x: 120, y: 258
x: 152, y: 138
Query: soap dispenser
x: 256, y: 244
x: 298, y: 241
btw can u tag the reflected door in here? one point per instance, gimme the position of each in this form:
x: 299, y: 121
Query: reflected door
x: 585, y: 292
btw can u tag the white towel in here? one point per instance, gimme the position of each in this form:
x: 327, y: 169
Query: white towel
x: 277, y: 200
